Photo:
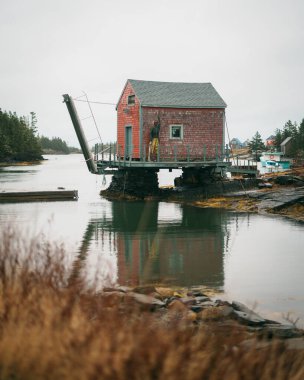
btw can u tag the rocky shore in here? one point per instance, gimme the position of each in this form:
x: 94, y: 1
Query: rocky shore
x: 198, y: 307
x: 275, y: 193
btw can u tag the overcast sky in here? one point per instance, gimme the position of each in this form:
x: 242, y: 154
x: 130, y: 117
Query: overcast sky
x: 251, y: 51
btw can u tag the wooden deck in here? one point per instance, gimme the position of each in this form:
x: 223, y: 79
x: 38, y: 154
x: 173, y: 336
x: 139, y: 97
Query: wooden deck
x: 105, y: 166
x: 108, y: 161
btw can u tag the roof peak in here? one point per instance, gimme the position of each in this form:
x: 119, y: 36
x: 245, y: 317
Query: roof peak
x: 170, y: 82
x: 176, y: 94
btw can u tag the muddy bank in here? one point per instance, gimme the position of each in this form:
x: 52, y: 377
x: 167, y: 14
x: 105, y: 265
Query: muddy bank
x: 287, y: 202
x: 277, y: 194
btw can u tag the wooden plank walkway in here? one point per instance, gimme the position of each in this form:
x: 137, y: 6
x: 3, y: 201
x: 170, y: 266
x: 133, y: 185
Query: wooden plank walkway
x: 39, y: 196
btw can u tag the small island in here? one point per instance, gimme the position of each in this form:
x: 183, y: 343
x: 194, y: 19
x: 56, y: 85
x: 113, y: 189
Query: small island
x: 18, y: 138
x: 20, y: 141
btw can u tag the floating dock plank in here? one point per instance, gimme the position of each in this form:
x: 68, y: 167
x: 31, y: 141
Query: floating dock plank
x: 39, y: 196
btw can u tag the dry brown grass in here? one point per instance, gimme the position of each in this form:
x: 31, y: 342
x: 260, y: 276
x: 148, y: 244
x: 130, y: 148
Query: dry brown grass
x: 295, y: 211
x: 50, y: 328
x: 240, y: 204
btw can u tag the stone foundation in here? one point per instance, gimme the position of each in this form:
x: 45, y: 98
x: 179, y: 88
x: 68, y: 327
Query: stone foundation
x: 199, y: 176
x: 138, y: 183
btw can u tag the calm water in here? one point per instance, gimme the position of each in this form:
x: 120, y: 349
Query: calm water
x: 253, y: 259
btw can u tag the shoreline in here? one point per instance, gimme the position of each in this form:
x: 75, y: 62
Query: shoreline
x: 201, y: 306
x: 274, y: 194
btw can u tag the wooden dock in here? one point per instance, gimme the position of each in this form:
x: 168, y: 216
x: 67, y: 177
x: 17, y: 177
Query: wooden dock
x: 39, y: 196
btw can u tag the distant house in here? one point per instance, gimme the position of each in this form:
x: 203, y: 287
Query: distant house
x: 235, y: 143
x: 192, y: 117
x: 246, y: 143
x: 270, y: 141
x: 286, y: 145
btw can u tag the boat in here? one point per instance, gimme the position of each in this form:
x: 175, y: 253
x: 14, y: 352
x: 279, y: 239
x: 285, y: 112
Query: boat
x: 274, y: 161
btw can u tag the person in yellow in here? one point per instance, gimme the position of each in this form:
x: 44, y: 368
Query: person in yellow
x: 154, y: 138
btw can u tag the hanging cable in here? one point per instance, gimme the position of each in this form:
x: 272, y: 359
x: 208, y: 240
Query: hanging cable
x: 92, y: 114
x: 80, y: 96
x: 230, y: 146
x: 229, y: 141
x: 95, y: 102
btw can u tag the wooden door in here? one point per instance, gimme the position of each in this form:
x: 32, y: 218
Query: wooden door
x: 128, y: 142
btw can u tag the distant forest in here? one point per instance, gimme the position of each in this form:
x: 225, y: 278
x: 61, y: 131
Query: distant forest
x: 19, y: 139
x: 56, y: 145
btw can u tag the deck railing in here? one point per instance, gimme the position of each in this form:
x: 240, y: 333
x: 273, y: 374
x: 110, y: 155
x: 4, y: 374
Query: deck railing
x: 113, y: 155
x: 164, y: 153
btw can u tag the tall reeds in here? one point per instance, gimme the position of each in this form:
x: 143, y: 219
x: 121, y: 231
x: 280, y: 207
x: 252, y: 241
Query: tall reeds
x: 53, y: 328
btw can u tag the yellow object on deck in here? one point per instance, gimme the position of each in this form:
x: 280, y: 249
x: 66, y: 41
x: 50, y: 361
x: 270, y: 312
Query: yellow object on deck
x: 153, y: 147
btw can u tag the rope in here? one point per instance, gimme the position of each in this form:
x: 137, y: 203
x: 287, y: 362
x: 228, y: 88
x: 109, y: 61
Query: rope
x: 229, y: 141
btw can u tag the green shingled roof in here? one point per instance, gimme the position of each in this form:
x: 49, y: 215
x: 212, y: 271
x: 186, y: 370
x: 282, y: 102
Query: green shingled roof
x: 173, y: 94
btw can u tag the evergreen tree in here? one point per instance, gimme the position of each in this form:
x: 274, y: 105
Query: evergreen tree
x: 296, y: 132
x: 17, y: 140
x: 33, y: 122
x: 256, y: 143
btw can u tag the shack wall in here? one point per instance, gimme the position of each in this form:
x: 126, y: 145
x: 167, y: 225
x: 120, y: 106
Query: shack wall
x: 128, y: 115
x: 203, y: 131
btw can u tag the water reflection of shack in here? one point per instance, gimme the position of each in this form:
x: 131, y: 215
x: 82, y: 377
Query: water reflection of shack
x: 158, y: 243
x: 187, y: 250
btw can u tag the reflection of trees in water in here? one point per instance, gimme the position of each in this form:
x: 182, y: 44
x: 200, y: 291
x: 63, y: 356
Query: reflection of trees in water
x: 186, y: 252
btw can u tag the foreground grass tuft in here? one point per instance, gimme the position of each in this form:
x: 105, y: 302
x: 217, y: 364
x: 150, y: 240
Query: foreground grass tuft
x: 52, y: 328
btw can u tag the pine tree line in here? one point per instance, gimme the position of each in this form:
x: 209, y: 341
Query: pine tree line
x: 293, y: 130
x: 55, y: 144
x: 296, y: 132
x: 18, y: 140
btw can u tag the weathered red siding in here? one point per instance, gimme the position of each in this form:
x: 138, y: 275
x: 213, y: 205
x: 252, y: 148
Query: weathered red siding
x: 128, y: 115
x: 201, y: 127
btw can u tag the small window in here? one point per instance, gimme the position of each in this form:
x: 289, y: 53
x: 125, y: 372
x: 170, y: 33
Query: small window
x: 176, y: 132
x: 131, y: 99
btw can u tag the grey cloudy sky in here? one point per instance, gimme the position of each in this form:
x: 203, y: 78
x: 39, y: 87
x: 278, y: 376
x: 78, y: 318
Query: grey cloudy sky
x: 252, y: 51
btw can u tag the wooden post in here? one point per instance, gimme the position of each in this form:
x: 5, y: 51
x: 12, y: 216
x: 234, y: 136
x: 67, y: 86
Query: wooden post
x: 188, y: 153
x: 102, y: 151
x: 110, y: 156
x: 131, y: 155
x: 227, y: 153
x: 175, y: 153
x: 96, y: 152
x: 204, y: 152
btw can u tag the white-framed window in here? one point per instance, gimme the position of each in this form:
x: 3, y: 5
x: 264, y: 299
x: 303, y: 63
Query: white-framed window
x: 176, y: 132
x: 131, y: 99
